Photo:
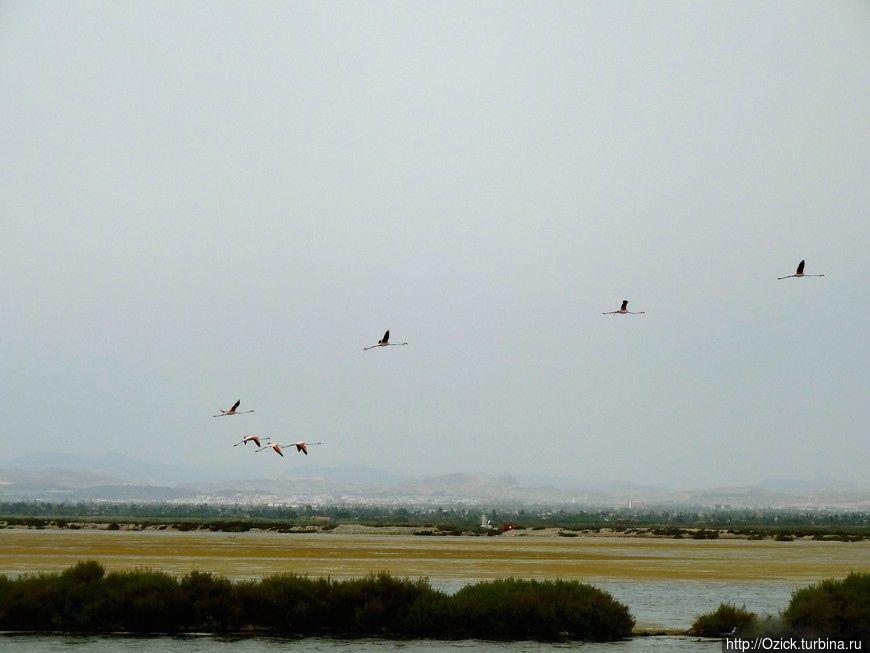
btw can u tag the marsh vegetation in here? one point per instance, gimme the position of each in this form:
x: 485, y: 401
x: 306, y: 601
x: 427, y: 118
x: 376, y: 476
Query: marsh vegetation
x: 85, y: 598
x: 832, y: 608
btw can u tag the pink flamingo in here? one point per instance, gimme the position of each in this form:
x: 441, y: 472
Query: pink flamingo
x: 623, y: 310
x: 800, y: 273
x: 233, y: 410
x: 385, y: 342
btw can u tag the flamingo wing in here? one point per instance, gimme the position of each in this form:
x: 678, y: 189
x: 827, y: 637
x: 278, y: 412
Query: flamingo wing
x: 624, y: 305
x: 800, y: 269
x: 301, y: 447
x: 235, y: 405
x: 386, y: 337
x: 255, y: 440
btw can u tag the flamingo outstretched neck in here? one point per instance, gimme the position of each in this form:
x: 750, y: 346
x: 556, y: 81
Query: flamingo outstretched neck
x: 256, y: 439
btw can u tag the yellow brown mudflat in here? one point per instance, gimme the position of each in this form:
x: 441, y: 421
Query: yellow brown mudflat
x: 245, y: 555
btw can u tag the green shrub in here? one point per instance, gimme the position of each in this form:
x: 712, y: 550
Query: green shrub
x: 84, y: 598
x: 704, y: 534
x: 833, y: 608
x: 722, y: 621
x: 211, y: 601
x: 141, y: 601
x: 514, y: 609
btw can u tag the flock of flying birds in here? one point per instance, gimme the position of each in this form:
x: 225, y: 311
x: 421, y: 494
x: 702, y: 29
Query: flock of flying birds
x: 262, y: 442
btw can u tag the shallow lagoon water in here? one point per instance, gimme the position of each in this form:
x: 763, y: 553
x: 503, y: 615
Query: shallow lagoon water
x: 673, y: 604
x: 665, y: 583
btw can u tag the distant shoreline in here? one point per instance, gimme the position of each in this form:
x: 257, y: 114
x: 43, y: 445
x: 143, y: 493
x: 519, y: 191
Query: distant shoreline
x: 663, y: 532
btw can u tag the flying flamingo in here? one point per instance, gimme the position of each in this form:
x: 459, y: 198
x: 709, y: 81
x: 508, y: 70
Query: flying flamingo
x: 252, y: 438
x: 303, y: 446
x: 623, y: 310
x: 232, y: 411
x: 385, y: 342
x: 277, y: 448
x: 800, y: 273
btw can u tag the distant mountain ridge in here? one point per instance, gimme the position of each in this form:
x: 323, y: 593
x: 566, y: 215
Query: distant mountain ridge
x: 117, y: 465
x: 113, y: 465
x: 115, y: 476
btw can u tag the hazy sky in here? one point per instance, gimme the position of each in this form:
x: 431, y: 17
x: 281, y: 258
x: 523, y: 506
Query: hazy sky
x: 201, y: 202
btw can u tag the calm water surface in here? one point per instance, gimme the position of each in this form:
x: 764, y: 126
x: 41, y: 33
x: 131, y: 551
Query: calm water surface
x: 34, y: 644
x: 676, y: 603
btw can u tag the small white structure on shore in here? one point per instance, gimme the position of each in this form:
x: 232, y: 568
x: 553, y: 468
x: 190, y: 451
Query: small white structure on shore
x: 485, y: 524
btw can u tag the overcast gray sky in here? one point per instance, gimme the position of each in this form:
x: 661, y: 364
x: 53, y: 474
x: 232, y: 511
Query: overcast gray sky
x: 208, y: 201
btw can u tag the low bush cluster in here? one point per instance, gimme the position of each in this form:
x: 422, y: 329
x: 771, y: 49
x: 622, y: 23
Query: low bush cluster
x: 85, y: 598
x: 838, y: 609
x: 727, y: 618
x: 704, y: 534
